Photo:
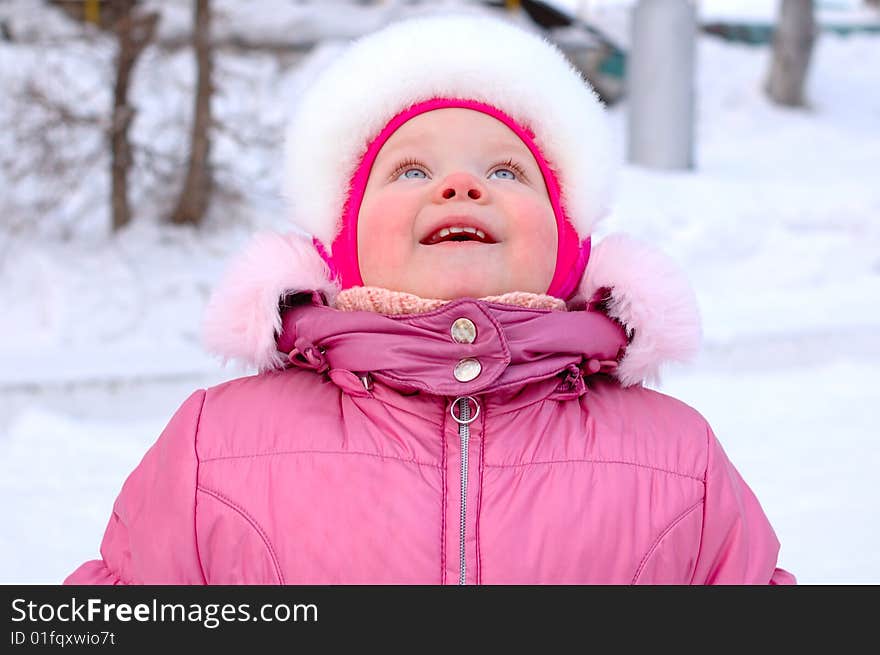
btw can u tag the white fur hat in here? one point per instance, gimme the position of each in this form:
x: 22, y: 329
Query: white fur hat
x: 467, y: 56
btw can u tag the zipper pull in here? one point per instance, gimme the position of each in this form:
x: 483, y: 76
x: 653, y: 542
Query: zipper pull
x: 464, y: 416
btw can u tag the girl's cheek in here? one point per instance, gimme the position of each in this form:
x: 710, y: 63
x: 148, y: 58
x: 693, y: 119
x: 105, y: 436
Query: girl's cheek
x: 389, y: 212
x: 533, y: 220
x: 533, y: 239
x: 381, y: 259
x: 385, y: 237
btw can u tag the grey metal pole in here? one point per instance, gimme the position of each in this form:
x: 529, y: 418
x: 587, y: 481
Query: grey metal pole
x: 660, y: 84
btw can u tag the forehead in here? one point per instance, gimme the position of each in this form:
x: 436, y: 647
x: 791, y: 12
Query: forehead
x: 453, y: 126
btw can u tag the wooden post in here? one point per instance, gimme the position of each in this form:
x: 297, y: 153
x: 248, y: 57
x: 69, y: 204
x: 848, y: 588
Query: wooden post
x: 92, y: 10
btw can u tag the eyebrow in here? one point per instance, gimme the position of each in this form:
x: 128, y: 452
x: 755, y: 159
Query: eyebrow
x: 404, y: 143
x: 415, y: 141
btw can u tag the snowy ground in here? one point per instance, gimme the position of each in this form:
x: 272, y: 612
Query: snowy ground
x: 779, y: 230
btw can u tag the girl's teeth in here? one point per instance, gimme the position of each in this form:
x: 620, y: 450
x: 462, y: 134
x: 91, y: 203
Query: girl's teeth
x: 446, y: 231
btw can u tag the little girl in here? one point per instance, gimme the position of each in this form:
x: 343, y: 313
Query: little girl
x: 448, y: 392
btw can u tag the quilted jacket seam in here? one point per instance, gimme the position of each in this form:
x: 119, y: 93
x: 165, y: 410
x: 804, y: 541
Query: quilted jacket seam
x: 252, y: 522
x: 598, y: 461
x: 678, y: 519
x: 208, y: 460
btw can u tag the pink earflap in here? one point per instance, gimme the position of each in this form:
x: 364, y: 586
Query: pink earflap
x: 572, y: 253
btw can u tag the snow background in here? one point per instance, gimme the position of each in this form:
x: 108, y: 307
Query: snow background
x: 778, y: 230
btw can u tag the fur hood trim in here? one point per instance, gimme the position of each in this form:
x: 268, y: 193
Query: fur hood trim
x: 652, y: 298
x: 647, y: 293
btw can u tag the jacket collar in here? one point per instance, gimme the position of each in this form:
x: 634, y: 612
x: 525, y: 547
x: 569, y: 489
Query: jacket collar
x: 512, y: 346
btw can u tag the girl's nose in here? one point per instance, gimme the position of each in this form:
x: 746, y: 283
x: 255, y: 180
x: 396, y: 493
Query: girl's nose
x: 461, y: 186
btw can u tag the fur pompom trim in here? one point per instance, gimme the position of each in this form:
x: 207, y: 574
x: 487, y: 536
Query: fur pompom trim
x: 242, y: 318
x: 652, y: 298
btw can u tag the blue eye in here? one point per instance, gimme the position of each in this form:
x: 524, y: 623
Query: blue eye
x: 421, y: 174
x: 508, y: 172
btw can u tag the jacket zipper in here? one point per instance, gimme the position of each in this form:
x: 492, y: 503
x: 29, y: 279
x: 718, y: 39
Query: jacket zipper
x: 464, y: 434
x: 464, y: 419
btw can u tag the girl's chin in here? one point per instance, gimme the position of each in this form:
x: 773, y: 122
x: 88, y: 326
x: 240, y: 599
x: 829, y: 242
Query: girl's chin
x: 448, y: 285
x: 457, y: 269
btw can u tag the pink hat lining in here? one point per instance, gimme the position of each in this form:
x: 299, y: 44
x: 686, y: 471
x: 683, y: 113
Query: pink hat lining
x: 572, y: 255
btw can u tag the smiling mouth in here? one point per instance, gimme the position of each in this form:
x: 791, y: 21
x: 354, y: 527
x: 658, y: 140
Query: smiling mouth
x: 457, y: 233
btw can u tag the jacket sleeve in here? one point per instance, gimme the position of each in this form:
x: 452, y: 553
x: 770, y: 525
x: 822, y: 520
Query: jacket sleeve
x: 737, y: 545
x: 151, y: 536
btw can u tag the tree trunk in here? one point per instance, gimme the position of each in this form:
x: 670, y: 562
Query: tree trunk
x: 133, y: 33
x: 792, y: 46
x: 196, y: 194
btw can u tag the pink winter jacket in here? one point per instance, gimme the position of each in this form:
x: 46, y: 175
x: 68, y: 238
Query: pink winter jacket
x: 357, y: 455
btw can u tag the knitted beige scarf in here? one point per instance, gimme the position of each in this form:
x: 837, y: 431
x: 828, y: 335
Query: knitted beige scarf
x: 385, y: 301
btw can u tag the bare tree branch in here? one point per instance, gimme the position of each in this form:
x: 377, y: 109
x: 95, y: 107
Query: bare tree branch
x: 59, y: 113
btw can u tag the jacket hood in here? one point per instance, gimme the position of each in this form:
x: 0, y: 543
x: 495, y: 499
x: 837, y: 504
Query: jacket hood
x: 637, y: 287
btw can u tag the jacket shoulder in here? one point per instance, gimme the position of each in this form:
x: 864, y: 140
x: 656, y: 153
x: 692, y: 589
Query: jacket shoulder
x: 258, y: 413
x: 266, y: 385
x: 651, y: 428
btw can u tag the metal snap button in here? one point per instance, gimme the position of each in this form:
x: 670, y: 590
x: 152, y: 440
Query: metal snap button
x: 463, y: 330
x: 467, y: 369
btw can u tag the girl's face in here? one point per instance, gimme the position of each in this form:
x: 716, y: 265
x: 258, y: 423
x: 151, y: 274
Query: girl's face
x: 456, y: 206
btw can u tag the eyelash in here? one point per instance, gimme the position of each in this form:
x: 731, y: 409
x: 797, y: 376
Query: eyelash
x: 519, y: 170
x: 404, y: 165
x: 409, y: 163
